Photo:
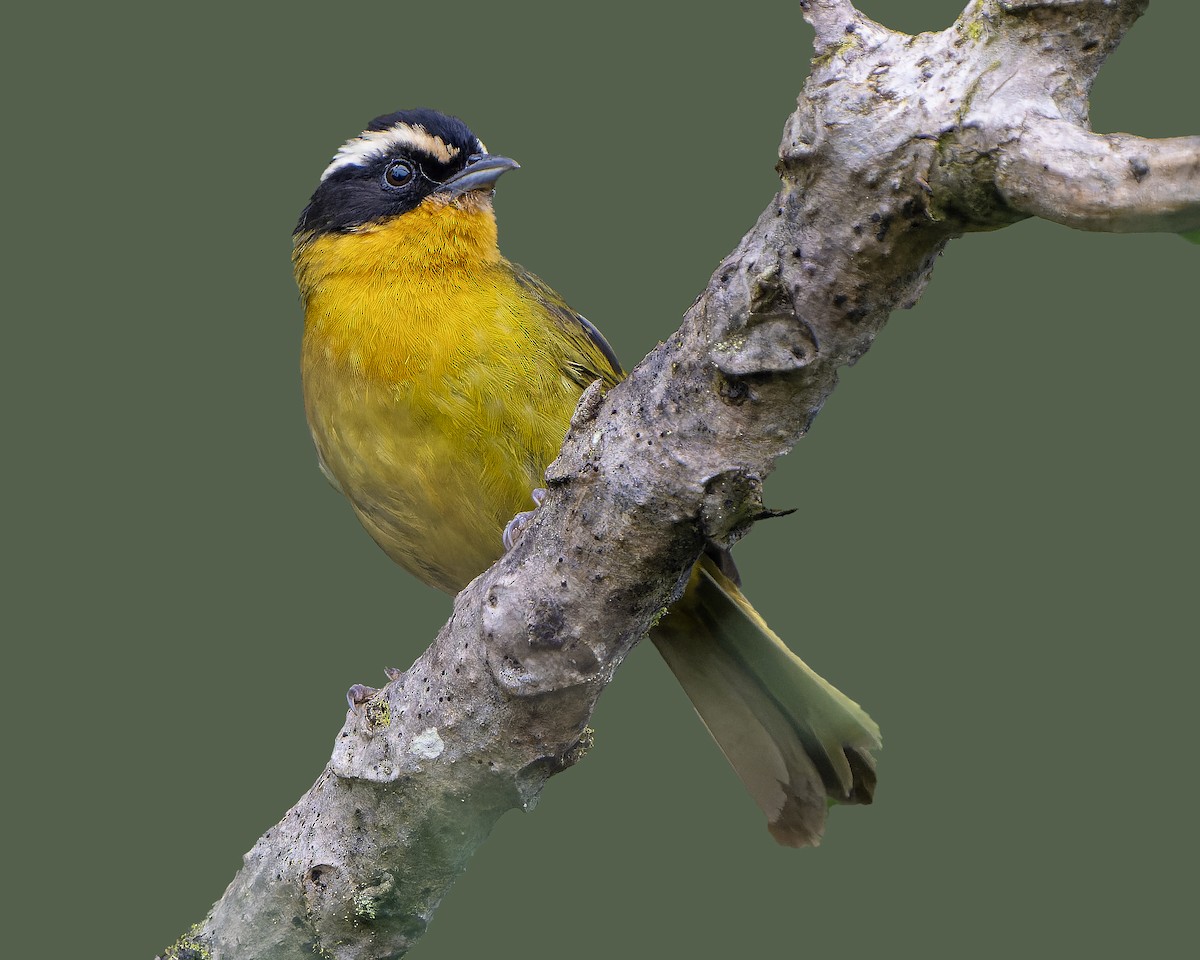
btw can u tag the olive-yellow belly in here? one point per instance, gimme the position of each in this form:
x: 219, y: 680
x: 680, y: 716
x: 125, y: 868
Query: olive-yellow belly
x: 438, y: 455
x: 435, y: 477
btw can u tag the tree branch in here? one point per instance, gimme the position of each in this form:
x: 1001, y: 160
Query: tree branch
x: 1119, y: 183
x: 897, y: 145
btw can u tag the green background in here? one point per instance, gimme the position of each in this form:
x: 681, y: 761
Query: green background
x: 995, y: 549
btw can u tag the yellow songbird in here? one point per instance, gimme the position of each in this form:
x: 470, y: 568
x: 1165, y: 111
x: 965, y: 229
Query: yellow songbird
x: 439, y: 382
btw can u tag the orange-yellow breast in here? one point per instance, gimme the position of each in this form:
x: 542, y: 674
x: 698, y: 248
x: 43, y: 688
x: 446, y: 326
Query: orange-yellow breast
x: 434, y: 384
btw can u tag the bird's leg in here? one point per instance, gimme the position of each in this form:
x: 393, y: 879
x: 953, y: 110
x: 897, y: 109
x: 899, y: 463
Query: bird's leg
x: 368, y: 706
x: 359, y: 694
x: 516, y: 526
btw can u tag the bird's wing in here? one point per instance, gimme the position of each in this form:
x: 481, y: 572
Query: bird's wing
x: 594, y: 359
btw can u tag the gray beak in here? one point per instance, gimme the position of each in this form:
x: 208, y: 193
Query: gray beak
x: 480, y: 174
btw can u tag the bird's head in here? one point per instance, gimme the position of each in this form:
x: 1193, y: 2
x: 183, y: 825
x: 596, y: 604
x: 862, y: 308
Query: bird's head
x: 410, y: 160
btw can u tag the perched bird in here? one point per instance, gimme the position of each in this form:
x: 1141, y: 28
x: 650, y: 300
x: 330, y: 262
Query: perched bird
x: 439, y: 382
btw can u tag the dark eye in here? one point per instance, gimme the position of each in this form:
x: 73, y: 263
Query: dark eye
x: 398, y: 173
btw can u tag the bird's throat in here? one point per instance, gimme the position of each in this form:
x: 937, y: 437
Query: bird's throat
x: 381, y: 299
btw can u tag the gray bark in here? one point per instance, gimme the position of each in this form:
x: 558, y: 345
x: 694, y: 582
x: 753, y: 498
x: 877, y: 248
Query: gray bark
x: 897, y: 145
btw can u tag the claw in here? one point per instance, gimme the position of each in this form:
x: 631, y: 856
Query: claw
x: 359, y: 694
x: 516, y: 526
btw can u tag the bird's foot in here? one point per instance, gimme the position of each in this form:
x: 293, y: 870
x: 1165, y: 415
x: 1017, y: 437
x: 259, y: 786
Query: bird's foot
x: 516, y: 526
x: 359, y: 694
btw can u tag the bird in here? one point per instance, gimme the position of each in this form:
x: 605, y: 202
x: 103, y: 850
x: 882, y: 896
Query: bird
x: 439, y: 381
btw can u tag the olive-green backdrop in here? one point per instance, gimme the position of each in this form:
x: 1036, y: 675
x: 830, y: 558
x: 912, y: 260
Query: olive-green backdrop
x: 995, y: 550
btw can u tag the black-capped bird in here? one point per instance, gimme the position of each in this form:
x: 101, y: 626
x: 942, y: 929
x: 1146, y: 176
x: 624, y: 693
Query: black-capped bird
x: 439, y: 382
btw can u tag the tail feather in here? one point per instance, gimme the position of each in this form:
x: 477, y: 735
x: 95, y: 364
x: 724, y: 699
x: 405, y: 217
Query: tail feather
x: 794, y: 740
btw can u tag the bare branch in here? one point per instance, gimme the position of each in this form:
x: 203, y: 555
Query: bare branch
x: 1114, y: 182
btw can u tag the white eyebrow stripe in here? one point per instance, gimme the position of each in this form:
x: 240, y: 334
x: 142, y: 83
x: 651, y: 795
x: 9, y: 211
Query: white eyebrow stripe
x: 361, y: 150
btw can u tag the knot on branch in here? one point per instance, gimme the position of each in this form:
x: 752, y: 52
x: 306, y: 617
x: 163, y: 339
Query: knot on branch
x: 798, y: 146
x: 552, y: 654
x: 771, y: 339
x: 732, y: 502
x: 531, y: 778
x: 342, y: 911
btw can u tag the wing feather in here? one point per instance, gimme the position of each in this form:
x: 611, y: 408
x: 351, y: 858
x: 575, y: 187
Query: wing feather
x: 594, y: 359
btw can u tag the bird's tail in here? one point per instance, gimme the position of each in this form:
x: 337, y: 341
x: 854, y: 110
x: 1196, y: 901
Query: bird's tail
x: 795, y: 741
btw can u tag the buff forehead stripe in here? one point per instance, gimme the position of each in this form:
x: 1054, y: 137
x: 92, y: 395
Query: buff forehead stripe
x: 360, y: 150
